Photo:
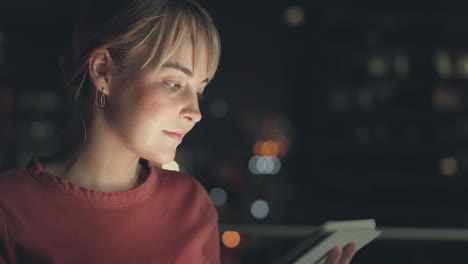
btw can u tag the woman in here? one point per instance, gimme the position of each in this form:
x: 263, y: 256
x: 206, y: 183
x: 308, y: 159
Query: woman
x: 136, y: 69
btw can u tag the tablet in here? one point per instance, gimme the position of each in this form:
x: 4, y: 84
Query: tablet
x: 315, y: 246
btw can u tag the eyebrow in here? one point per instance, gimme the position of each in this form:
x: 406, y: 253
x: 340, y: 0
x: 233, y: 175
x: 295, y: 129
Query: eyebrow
x: 181, y: 68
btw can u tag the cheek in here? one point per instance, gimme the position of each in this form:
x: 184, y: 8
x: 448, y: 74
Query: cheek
x: 139, y: 115
x: 151, y: 113
x: 151, y: 117
x: 153, y: 106
x: 135, y: 103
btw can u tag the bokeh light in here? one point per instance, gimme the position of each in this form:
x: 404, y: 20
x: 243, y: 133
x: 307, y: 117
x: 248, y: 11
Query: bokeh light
x: 283, y: 144
x: 462, y: 66
x: 401, y: 66
x: 294, y: 16
x: 260, y: 209
x: 377, y: 66
x: 231, y: 239
x: 253, y: 165
x: 39, y: 101
x: 446, y: 99
x: 443, y: 64
x: 218, y: 196
x: 264, y: 165
x: 42, y: 130
x: 277, y: 148
x: 449, y: 166
x: 269, y: 148
x: 173, y: 166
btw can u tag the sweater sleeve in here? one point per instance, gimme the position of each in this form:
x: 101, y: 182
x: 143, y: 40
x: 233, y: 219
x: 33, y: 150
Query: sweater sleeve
x: 212, y: 247
x: 3, y: 240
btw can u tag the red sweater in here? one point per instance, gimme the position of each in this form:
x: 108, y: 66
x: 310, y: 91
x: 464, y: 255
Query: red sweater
x: 169, y: 218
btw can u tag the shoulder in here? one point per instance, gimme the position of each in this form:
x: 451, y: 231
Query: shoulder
x: 179, y: 180
x: 12, y: 178
x: 13, y: 189
x: 10, y: 174
x: 17, y: 185
x: 183, y: 187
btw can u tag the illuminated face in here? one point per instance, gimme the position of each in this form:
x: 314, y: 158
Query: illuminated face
x: 152, y: 111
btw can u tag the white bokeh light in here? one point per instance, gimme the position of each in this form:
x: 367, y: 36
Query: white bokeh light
x: 218, y: 196
x: 277, y: 165
x: 253, y: 165
x: 260, y: 209
x: 264, y: 165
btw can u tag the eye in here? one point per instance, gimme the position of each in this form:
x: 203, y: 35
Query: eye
x: 173, y: 86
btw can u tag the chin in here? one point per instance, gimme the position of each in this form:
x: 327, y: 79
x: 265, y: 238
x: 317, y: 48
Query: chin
x: 162, y: 159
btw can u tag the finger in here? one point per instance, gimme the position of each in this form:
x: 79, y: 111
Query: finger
x: 334, y: 256
x: 348, y: 253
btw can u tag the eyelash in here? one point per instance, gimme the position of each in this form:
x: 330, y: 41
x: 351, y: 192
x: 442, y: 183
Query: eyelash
x: 171, y: 88
x: 200, y: 96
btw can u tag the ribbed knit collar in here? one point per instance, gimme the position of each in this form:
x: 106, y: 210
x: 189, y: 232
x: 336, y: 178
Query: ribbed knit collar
x: 134, y: 195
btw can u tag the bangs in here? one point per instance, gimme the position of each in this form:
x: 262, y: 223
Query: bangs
x: 187, y: 21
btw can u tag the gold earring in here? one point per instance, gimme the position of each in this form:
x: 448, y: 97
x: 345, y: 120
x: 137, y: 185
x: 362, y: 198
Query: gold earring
x: 103, y: 100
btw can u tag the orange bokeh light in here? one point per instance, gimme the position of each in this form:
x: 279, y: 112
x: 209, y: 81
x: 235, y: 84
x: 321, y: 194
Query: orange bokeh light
x: 269, y: 148
x: 283, y: 144
x: 231, y: 239
x: 257, y: 148
x: 272, y: 148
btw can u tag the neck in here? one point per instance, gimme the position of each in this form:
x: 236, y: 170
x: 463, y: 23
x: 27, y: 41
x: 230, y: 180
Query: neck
x: 102, y: 163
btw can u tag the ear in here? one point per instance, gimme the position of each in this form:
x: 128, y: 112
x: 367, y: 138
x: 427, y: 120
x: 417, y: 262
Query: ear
x: 100, y: 64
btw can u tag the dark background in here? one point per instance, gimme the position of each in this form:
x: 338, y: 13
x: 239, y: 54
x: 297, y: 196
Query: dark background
x: 369, y: 95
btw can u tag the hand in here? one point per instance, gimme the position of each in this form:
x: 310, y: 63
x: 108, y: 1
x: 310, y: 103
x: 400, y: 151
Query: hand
x: 340, y: 255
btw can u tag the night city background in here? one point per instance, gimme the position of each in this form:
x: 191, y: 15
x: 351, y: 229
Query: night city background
x: 320, y: 110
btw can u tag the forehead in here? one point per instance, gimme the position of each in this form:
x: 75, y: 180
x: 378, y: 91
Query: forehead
x: 193, y: 56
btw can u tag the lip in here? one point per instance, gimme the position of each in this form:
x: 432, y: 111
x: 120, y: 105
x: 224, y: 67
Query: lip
x: 175, y: 135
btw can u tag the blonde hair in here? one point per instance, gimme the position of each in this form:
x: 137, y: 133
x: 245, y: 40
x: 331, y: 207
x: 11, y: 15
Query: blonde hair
x: 138, y: 34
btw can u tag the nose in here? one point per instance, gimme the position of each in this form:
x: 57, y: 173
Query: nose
x: 191, y: 110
